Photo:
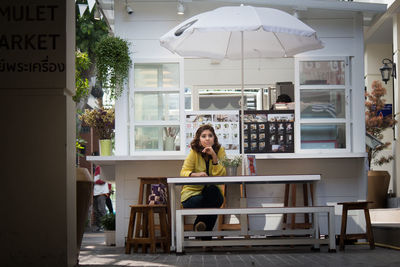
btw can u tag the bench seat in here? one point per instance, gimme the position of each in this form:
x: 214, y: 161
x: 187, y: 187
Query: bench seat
x: 249, y: 237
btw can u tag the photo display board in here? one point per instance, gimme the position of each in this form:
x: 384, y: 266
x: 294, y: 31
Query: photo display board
x: 269, y: 131
x: 225, y: 123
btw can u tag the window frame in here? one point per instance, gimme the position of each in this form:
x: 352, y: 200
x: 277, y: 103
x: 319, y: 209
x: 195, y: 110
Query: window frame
x: 156, y: 123
x: 347, y: 120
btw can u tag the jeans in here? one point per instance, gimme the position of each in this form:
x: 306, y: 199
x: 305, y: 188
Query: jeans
x: 99, y: 207
x: 210, y: 197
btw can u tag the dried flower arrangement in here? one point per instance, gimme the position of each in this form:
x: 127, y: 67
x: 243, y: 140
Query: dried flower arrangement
x: 376, y: 123
x: 101, y: 119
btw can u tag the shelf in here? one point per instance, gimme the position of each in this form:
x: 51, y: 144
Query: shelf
x: 114, y: 160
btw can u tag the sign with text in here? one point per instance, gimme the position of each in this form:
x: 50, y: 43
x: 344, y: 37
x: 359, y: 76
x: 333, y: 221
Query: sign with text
x: 32, y: 44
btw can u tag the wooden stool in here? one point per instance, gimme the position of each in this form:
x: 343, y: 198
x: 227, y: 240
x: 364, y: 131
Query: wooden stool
x: 144, y: 193
x: 293, y: 223
x: 362, y: 205
x: 147, y: 236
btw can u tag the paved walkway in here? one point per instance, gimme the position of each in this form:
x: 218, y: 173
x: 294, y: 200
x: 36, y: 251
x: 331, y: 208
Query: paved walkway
x: 95, y: 253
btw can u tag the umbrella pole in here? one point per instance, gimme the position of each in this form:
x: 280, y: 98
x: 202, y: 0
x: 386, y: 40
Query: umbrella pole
x: 243, y: 199
x: 242, y: 105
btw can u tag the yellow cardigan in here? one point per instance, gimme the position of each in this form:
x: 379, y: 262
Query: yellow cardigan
x: 196, y: 163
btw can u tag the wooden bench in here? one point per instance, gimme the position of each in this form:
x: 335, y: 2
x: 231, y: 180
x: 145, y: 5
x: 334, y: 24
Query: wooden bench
x: 287, y: 237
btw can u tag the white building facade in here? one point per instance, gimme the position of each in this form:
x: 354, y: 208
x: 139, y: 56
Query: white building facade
x: 160, y: 84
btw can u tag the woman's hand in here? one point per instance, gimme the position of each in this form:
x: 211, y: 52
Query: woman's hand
x: 210, y: 151
x: 198, y: 174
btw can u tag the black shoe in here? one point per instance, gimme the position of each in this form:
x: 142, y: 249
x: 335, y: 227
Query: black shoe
x: 200, y: 226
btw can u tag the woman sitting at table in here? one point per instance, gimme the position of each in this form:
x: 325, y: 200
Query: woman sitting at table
x: 203, y: 160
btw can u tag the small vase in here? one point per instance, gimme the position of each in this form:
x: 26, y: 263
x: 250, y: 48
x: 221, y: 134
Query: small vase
x: 231, y: 171
x: 169, y: 143
x: 109, y: 237
x: 105, y: 147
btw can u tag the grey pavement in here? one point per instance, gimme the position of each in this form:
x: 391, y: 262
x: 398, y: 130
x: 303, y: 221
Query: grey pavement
x: 94, y: 252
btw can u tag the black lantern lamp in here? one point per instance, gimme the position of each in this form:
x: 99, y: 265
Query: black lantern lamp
x: 386, y: 70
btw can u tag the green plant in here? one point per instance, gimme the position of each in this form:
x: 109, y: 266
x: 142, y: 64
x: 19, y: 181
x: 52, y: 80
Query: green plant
x: 231, y: 162
x: 80, y: 146
x: 88, y: 30
x: 108, y: 222
x: 82, y: 63
x: 113, y: 63
x: 376, y: 123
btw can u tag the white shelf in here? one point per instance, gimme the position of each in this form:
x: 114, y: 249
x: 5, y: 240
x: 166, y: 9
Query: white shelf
x: 114, y: 160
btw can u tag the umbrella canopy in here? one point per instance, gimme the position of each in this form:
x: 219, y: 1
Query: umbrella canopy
x: 216, y: 34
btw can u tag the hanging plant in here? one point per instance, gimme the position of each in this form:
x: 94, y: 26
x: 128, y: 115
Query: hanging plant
x: 82, y: 63
x: 113, y: 63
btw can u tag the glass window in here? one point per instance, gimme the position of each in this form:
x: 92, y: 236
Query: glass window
x: 322, y: 103
x: 323, y: 136
x: 322, y: 72
x: 153, y: 106
x: 188, y: 99
x: 164, y: 75
x: 156, y: 138
x: 323, y: 91
x: 156, y: 107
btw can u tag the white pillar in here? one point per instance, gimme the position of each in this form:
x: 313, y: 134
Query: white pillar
x: 395, y: 181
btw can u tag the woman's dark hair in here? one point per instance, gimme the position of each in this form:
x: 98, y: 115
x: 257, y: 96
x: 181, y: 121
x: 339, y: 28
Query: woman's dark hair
x: 284, y: 98
x: 195, y: 144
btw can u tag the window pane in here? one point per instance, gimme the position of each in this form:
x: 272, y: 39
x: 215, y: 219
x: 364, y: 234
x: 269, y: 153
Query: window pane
x: 322, y: 103
x: 323, y: 136
x: 322, y: 72
x: 157, y: 75
x: 170, y: 75
x: 188, y: 102
x: 157, y: 138
x: 228, y: 98
x: 156, y: 106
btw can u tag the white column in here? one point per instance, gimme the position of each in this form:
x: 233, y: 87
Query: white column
x: 395, y: 181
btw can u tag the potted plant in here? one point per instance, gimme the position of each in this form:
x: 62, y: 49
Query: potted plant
x: 113, y: 63
x: 102, y: 120
x: 231, y: 164
x: 108, y: 223
x: 376, y: 124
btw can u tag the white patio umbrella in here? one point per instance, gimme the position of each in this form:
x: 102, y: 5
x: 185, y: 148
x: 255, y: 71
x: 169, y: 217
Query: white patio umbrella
x: 239, y: 32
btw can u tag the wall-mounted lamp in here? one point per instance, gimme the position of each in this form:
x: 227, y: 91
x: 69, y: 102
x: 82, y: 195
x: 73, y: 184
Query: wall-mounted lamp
x: 386, y: 70
x: 180, y: 8
x: 129, y: 9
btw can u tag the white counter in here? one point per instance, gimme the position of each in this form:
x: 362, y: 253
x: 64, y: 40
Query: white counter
x: 113, y: 160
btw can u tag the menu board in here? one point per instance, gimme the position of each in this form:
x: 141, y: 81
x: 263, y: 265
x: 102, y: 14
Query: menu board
x: 225, y: 123
x: 267, y: 131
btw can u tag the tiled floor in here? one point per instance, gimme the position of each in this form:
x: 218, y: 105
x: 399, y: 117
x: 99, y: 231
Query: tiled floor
x: 95, y: 253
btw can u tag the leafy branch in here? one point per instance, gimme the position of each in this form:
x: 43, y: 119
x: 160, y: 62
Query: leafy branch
x: 376, y: 123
